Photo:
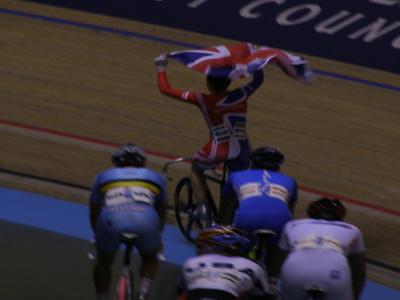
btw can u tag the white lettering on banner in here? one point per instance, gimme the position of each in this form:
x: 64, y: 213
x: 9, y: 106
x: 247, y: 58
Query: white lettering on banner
x: 374, y: 30
x: 323, y: 27
x: 396, y: 43
x: 196, y: 3
x: 246, y: 11
x: 386, y: 2
x: 311, y: 11
x: 336, y: 22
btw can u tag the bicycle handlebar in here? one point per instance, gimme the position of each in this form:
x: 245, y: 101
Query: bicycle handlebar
x: 171, y: 162
x: 214, y: 171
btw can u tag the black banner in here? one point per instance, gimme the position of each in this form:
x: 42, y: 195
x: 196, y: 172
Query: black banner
x: 363, y: 32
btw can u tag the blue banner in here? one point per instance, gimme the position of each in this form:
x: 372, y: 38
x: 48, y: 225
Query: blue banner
x: 362, y: 32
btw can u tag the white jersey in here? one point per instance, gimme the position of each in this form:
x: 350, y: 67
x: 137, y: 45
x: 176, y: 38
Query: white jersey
x: 235, y: 275
x: 318, y: 250
x: 334, y: 236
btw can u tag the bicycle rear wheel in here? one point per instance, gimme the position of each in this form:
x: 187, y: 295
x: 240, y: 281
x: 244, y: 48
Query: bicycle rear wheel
x: 191, y: 216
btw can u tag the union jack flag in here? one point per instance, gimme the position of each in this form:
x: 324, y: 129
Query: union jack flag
x: 233, y: 61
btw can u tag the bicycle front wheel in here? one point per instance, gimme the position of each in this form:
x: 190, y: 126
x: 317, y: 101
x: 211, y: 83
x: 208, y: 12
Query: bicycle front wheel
x: 125, y: 287
x: 191, y: 216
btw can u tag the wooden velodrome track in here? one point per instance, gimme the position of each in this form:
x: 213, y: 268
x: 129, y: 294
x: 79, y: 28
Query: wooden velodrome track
x: 70, y: 93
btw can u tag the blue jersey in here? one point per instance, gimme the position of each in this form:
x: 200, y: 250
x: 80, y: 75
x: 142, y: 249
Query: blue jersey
x: 260, y: 190
x: 118, y: 187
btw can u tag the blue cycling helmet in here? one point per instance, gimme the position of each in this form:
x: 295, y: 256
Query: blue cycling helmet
x: 128, y: 155
x: 223, y: 239
x: 327, y: 209
x: 268, y: 158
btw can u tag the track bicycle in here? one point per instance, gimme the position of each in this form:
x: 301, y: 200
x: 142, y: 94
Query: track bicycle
x: 125, y: 284
x: 191, y: 215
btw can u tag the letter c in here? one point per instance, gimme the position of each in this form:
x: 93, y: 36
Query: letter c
x: 309, y: 12
x: 246, y: 11
x: 396, y: 43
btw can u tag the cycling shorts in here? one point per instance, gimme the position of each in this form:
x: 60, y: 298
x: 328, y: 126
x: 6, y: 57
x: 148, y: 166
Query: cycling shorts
x: 211, y: 155
x: 139, y: 218
x: 325, y: 269
x: 251, y: 221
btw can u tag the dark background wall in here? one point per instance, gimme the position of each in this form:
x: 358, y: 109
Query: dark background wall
x: 361, y: 32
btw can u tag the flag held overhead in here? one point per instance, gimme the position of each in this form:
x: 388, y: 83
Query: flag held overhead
x: 236, y: 60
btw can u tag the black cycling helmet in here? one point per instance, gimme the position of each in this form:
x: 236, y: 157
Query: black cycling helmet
x: 327, y: 209
x: 218, y: 83
x: 267, y: 158
x: 128, y: 155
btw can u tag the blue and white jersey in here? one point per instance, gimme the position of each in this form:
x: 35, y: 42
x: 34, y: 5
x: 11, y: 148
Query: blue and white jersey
x: 258, y: 190
x: 118, y: 187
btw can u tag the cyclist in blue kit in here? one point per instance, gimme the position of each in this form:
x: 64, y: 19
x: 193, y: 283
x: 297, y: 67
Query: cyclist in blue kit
x: 260, y: 198
x: 128, y: 197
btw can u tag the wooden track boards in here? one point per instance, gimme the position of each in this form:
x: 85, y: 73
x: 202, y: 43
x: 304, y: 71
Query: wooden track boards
x: 339, y: 137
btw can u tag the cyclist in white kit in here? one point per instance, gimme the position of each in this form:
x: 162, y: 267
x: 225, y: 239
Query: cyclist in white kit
x: 220, y: 271
x: 323, y: 252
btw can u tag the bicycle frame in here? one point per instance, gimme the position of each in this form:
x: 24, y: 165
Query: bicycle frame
x: 196, y: 214
x: 124, y: 289
x: 172, y: 162
x: 216, y: 177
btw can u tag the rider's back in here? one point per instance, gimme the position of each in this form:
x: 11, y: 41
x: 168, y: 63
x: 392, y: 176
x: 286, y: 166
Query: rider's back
x: 235, y: 275
x: 116, y: 185
x: 318, y: 256
x: 257, y: 189
x: 333, y: 236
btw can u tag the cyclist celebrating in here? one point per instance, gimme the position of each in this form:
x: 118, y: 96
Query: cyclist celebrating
x: 264, y: 198
x: 128, y: 197
x: 220, y: 272
x: 323, y: 252
x: 225, y: 114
